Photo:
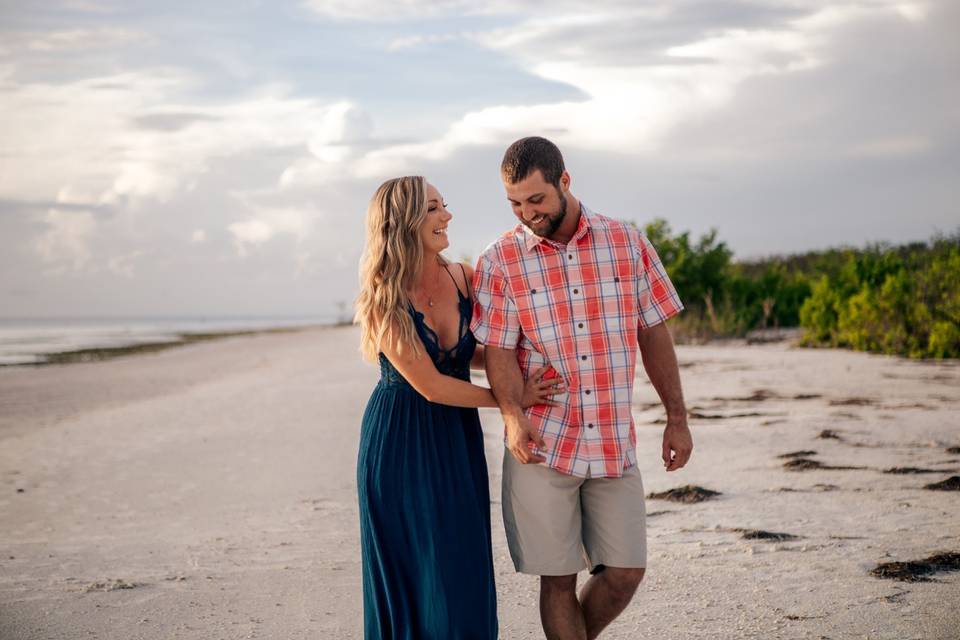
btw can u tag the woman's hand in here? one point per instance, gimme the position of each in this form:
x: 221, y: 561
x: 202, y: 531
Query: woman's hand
x: 538, y: 390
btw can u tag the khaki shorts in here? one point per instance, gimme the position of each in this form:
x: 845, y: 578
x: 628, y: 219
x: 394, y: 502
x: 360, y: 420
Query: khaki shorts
x: 558, y: 524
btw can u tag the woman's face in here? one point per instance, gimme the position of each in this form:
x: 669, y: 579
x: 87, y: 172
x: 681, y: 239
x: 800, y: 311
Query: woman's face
x: 433, y: 231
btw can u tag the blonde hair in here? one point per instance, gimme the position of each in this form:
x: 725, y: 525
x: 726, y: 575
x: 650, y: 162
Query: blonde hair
x: 391, y: 265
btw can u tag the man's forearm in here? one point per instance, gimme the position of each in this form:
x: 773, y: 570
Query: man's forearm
x: 660, y: 363
x: 505, y: 378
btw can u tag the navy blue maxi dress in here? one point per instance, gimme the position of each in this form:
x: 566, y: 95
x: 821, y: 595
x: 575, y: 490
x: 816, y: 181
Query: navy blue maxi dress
x: 425, y: 506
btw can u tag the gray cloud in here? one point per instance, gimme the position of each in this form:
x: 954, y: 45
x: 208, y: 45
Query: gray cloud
x: 170, y: 121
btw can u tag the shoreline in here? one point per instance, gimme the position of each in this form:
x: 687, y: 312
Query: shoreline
x: 180, y: 339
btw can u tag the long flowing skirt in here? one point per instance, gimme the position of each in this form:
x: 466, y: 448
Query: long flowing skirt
x: 424, y: 520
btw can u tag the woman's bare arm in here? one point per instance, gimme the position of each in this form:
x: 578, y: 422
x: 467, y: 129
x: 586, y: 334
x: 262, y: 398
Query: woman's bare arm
x: 423, y: 376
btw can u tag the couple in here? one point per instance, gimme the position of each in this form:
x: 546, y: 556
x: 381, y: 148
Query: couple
x: 555, y: 313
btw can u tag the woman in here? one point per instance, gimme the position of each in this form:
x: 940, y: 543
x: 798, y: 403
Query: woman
x: 421, y: 472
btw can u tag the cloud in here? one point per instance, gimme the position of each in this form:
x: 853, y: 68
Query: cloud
x: 88, y: 6
x: 644, y: 71
x: 248, y: 233
x: 892, y: 147
x: 384, y: 11
x: 123, y: 265
x: 64, y: 245
x: 250, y: 156
x: 414, y: 42
x: 68, y: 40
x: 126, y: 137
x: 268, y: 223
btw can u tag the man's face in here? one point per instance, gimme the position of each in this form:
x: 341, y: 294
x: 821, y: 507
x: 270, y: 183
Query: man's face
x: 538, y: 204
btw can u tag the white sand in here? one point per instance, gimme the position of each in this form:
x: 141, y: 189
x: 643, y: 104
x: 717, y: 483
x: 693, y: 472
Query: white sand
x: 218, y: 481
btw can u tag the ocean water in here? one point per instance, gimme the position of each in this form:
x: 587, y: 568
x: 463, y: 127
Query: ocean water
x: 30, y: 340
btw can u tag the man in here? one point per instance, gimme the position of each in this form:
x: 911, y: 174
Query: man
x: 581, y: 292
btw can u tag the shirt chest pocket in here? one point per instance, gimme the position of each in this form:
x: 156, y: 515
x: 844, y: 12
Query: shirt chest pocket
x: 534, y: 307
x: 618, y: 286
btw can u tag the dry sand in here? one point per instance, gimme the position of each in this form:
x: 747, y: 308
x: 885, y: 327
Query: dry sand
x: 208, y: 492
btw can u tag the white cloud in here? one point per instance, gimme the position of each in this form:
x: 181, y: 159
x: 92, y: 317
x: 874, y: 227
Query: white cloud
x: 199, y: 236
x: 123, y: 265
x: 123, y: 138
x: 249, y: 232
x: 414, y: 42
x: 382, y: 10
x: 268, y: 223
x: 402, y: 10
x: 65, y: 243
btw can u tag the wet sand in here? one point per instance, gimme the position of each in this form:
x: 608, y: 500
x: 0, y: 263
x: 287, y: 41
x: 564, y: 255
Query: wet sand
x: 208, y: 491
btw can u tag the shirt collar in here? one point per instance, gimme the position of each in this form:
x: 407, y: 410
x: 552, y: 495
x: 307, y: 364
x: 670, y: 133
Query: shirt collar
x: 531, y: 239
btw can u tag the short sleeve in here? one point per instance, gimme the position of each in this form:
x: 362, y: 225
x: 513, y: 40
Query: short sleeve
x: 657, y: 300
x: 495, y: 321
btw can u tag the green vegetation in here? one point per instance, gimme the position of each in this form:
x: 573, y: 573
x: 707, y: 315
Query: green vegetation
x: 889, y: 299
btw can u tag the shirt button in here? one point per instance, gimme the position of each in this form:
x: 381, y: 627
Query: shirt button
x: 590, y: 426
x: 587, y: 392
x: 576, y: 290
x: 583, y: 357
x: 580, y: 325
x: 532, y: 291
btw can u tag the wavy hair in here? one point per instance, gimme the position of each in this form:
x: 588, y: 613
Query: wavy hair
x: 391, y: 265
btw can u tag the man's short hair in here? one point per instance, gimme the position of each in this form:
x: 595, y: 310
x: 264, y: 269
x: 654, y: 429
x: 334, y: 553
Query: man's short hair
x: 526, y: 155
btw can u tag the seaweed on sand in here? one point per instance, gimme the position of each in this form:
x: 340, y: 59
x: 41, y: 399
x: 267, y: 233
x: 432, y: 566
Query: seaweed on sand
x: 917, y: 570
x: 797, y: 454
x: 950, y: 484
x: 687, y: 494
x: 760, y: 534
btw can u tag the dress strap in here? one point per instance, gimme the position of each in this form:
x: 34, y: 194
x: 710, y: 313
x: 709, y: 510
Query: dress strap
x: 455, y: 283
x: 465, y: 307
x: 466, y: 283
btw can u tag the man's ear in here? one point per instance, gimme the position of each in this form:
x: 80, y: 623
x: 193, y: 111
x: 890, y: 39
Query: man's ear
x: 565, y: 180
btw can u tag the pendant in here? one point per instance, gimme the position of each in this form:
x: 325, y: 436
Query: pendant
x: 430, y: 302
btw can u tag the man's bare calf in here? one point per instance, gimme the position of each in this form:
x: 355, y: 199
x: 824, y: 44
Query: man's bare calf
x: 602, y: 599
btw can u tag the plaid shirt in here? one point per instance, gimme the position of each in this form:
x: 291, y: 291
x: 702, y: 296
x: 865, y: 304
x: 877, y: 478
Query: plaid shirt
x: 577, y: 307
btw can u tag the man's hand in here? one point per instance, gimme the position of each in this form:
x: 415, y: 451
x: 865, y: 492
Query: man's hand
x: 520, y: 432
x: 677, y: 444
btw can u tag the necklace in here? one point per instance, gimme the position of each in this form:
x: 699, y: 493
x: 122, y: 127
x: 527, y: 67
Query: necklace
x: 437, y: 283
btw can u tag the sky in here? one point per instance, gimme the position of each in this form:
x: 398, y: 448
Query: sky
x: 217, y: 158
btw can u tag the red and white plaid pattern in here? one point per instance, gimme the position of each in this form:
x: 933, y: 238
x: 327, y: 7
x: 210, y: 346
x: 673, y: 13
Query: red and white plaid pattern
x: 577, y: 307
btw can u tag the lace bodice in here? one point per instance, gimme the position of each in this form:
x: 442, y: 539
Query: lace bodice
x: 454, y: 361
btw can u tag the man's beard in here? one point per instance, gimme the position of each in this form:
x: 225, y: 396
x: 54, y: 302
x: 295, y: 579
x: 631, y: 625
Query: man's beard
x: 553, y: 221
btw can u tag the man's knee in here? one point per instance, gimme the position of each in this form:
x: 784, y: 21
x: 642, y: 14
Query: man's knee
x: 624, y: 580
x: 558, y: 584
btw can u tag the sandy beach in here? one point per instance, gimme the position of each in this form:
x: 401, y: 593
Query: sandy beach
x: 208, y: 491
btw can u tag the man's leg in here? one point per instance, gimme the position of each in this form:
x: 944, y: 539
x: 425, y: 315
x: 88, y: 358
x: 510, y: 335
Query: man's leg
x: 614, y: 535
x: 560, y: 612
x: 605, y: 596
x: 541, y: 517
